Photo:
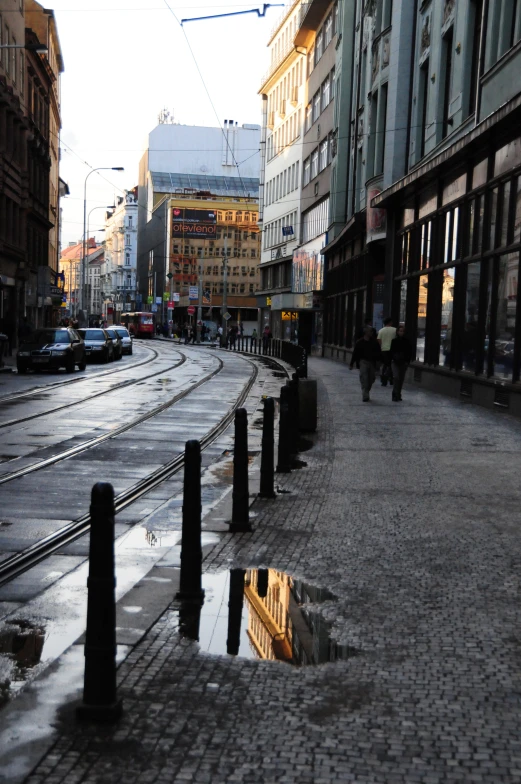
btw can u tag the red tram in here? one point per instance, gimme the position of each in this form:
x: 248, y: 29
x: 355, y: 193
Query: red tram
x: 141, y: 325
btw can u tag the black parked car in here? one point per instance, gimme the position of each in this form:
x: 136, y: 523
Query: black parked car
x: 116, y: 342
x: 50, y: 349
x: 98, y: 344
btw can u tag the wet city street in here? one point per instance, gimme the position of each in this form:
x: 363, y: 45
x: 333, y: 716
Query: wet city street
x: 367, y: 630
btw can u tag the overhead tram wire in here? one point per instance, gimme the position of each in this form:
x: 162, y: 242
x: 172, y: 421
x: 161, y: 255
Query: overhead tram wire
x: 208, y: 94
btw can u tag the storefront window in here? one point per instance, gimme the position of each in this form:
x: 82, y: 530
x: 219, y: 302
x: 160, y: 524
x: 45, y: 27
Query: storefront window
x: 403, y: 301
x: 406, y: 245
x: 447, y: 309
x: 426, y: 245
x: 493, y: 218
x: 489, y: 266
x: 517, y: 221
x: 506, y: 315
x: 422, y: 317
x: 505, y: 213
x: 470, y: 334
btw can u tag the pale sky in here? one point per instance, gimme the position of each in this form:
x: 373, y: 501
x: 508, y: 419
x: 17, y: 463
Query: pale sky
x: 125, y: 62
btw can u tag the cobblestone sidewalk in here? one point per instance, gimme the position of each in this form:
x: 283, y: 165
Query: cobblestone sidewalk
x: 409, y: 514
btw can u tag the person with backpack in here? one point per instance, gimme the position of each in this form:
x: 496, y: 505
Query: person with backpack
x: 401, y: 355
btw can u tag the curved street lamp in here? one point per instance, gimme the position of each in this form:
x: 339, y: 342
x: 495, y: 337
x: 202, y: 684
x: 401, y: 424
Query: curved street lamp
x: 82, y: 281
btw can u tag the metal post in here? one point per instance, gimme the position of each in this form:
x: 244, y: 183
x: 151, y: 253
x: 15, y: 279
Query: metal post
x: 199, y: 305
x: 190, y: 589
x: 284, y: 450
x: 267, y: 458
x: 224, y: 322
x: 262, y: 583
x: 100, y: 701
x: 240, y: 497
x: 235, y: 605
x: 294, y: 413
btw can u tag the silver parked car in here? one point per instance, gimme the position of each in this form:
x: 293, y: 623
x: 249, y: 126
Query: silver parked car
x: 126, y: 338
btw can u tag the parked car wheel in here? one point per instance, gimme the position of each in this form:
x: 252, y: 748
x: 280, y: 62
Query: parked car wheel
x: 83, y: 364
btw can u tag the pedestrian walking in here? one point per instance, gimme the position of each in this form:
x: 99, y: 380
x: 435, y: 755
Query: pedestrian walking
x: 266, y: 337
x: 234, y: 331
x: 385, y: 338
x: 254, y: 334
x: 366, y: 356
x: 401, y: 355
x: 361, y: 332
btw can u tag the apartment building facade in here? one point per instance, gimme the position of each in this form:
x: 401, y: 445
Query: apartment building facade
x: 119, y: 268
x: 283, y: 92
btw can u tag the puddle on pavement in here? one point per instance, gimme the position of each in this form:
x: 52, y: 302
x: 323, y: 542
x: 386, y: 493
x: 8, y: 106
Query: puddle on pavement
x: 262, y: 614
x: 21, y: 646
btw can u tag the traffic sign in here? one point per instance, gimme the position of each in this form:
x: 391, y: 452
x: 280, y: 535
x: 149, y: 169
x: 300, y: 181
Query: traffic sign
x: 227, y: 316
x: 170, y: 305
x: 191, y: 310
x: 170, y: 276
x: 193, y: 292
x: 176, y: 297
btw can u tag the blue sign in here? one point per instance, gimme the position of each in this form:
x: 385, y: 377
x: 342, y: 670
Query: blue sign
x: 64, y: 298
x: 287, y: 230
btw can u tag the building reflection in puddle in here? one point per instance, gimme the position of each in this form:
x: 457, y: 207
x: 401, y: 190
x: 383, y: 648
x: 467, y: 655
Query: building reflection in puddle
x: 262, y: 614
x: 21, y: 643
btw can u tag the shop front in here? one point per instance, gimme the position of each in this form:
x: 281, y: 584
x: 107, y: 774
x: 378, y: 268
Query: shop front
x: 455, y: 272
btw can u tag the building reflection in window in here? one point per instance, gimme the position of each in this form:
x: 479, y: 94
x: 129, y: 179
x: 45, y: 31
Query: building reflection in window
x: 506, y: 315
x: 470, y: 334
x: 403, y: 301
x: 422, y: 317
x: 447, y: 309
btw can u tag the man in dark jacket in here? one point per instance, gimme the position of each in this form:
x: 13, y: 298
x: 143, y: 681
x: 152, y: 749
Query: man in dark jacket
x: 366, y: 355
x: 401, y: 354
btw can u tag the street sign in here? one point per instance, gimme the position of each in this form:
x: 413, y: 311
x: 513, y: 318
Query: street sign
x: 166, y: 296
x: 170, y: 305
x: 287, y: 231
x: 170, y: 276
x: 158, y: 300
x: 227, y: 316
x: 199, y: 323
x: 193, y: 292
x: 154, y: 308
x: 191, y: 310
x: 176, y: 297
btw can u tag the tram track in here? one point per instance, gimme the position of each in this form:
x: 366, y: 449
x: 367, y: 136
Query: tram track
x: 117, y: 388
x: 69, y: 381
x: 15, y: 565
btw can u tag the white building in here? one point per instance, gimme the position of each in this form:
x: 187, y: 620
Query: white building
x: 118, y: 272
x: 94, y: 288
x: 283, y: 91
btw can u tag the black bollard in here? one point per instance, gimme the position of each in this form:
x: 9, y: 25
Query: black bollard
x: 235, y: 605
x: 190, y: 589
x: 294, y: 415
x: 241, y: 495
x: 100, y: 702
x: 284, y: 450
x: 267, y: 458
x: 262, y: 583
x: 189, y: 620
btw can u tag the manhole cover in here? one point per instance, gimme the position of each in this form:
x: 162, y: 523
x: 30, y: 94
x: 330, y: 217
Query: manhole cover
x: 262, y: 614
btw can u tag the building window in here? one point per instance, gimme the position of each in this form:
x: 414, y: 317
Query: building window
x: 307, y: 171
x: 472, y: 64
x: 323, y: 155
x: 326, y: 92
x: 130, y: 221
x: 423, y: 105
x: 447, y: 46
x: 328, y: 31
x: 309, y: 120
x: 316, y: 106
x: 319, y: 45
x: 314, y: 163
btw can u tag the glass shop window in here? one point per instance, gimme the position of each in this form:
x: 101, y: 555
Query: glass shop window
x: 506, y: 315
x: 447, y: 310
x: 422, y: 317
x: 469, y: 346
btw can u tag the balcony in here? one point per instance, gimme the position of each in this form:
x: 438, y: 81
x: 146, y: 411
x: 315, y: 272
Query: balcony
x: 310, y: 17
x: 277, y: 62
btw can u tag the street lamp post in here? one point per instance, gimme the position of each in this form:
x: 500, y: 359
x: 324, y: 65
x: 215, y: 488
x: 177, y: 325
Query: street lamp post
x: 82, y: 281
x: 109, y: 207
